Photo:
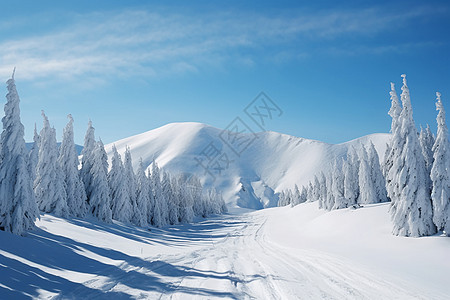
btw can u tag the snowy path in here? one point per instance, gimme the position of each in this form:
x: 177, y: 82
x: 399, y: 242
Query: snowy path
x: 246, y: 265
x: 282, y: 253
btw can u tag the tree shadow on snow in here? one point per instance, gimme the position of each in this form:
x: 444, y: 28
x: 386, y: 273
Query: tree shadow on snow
x: 30, y: 264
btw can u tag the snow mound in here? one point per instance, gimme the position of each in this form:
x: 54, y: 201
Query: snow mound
x: 271, y: 162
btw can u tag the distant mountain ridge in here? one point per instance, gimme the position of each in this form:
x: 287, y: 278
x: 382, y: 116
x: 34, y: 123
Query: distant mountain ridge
x: 271, y: 162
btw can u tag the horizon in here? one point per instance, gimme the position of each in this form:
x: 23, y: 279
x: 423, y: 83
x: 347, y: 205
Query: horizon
x: 132, y: 67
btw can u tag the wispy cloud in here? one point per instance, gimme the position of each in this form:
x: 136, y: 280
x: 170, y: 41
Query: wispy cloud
x: 144, y: 43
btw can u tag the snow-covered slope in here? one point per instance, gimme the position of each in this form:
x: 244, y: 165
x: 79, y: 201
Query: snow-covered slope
x: 277, y: 253
x: 271, y: 163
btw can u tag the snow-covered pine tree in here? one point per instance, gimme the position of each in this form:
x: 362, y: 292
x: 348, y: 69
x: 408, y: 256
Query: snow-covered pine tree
x: 376, y: 174
x: 187, y: 213
x: 87, y: 160
x: 297, y: 196
x: 195, y: 189
x: 426, y: 140
x: 323, y: 190
x: 68, y: 162
x: 33, y: 156
x: 18, y: 209
x: 100, y: 200
x: 303, y: 195
x: 151, y: 202
x: 121, y: 207
x: 49, y: 186
x: 440, y: 172
x: 282, y: 199
x: 170, y: 198
x: 104, y: 156
x: 367, y: 191
x: 338, y: 185
x: 351, y: 178
x: 411, y: 208
x: 142, y: 197
x: 316, y: 190
x: 130, y: 179
x: 396, y: 142
x: 329, y: 201
x: 157, y: 218
x: 310, y: 191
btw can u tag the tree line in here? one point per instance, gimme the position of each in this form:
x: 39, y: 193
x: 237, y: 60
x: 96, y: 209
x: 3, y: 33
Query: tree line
x: 48, y: 179
x: 414, y: 175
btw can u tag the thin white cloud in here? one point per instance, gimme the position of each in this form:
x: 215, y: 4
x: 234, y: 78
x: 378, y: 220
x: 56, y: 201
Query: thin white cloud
x: 140, y: 42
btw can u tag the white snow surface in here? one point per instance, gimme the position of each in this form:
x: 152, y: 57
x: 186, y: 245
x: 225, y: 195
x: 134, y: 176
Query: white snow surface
x: 271, y: 163
x: 276, y: 253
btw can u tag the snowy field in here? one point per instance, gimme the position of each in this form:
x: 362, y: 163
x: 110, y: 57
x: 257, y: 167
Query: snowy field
x: 277, y: 253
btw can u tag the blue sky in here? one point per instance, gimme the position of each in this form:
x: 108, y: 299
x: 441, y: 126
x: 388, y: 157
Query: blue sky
x: 132, y: 66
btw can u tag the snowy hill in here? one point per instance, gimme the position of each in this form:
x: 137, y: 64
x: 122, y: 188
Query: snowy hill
x: 271, y: 162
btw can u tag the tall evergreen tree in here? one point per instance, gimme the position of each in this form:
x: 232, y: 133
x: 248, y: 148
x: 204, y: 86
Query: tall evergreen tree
x: 367, y: 191
x: 49, y: 186
x: 68, y: 162
x: 338, y: 185
x: 142, y: 198
x: 100, y: 200
x: 426, y: 140
x: 170, y: 197
x: 18, y: 209
x: 130, y: 179
x: 33, y: 156
x: 323, y: 190
x: 411, y: 209
x: 440, y: 172
x: 396, y: 142
x: 121, y: 207
x: 351, y: 178
x: 157, y: 218
x: 87, y: 160
x: 376, y: 174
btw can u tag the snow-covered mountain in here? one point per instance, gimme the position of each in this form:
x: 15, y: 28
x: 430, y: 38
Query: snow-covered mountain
x: 250, y: 178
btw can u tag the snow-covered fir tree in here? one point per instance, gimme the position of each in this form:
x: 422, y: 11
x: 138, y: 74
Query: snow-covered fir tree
x: 195, y: 190
x: 49, y: 186
x: 426, y: 140
x: 100, y: 200
x: 130, y: 179
x: 440, y: 172
x: 297, y: 199
x: 351, y: 178
x: 186, y: 212
x: 87, y: 160
x: 33, y: 156
x: 303, y: 195
x: 142, y: 195
x: 68, y: 162
x: 396, y: 142
x: 411, y: 208
x: 316, y: 189
x: 323, y: 190
x: 338, y: 185
x: 376, y: 174
x: 18, y: 209
x: 157, y: 218
x: 121, y: 206
x: 367, y: 191
x: 170, y: 198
